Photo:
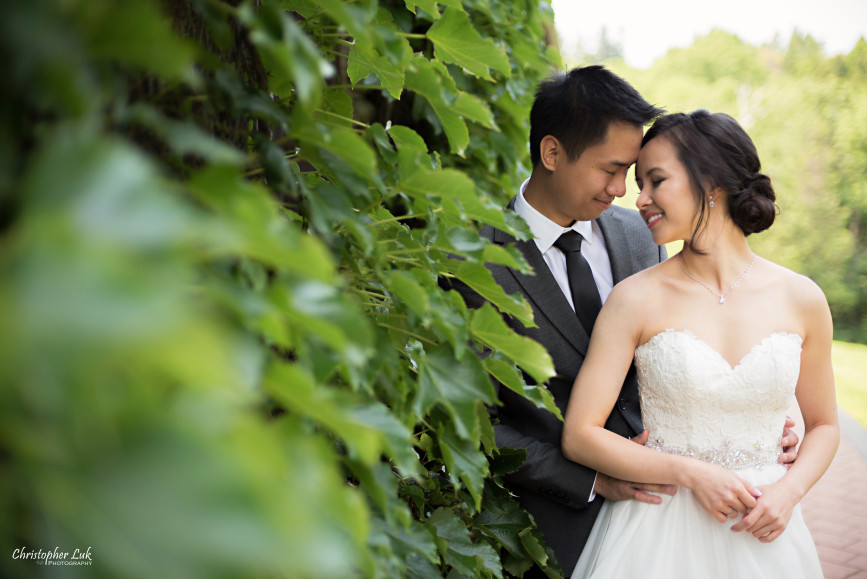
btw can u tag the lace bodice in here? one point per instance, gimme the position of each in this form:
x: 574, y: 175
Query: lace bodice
x: 695, y: 403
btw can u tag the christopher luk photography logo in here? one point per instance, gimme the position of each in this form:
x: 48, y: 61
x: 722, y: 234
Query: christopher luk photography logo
x: 55, y: 557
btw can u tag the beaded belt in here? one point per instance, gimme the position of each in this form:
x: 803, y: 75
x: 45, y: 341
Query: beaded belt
x: 726, y: 456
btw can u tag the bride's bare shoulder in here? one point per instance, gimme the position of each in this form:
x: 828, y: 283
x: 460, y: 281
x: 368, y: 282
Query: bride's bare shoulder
x: 798, y: 287
x: 643, y: 286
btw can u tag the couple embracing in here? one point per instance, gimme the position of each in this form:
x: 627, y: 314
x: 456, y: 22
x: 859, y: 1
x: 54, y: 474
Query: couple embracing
x: 705, y: 350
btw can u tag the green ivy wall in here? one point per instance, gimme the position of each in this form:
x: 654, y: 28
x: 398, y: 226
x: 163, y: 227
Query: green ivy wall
x: 224, y: 351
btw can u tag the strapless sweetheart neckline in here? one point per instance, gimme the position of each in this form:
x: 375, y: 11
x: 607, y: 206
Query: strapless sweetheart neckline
x: 733, y: 367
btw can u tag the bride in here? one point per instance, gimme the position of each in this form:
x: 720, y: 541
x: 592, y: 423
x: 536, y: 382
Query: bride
x: 722, y: 340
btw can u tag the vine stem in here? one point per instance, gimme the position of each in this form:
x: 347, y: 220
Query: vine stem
x: 404, y: 251
x: 343, y: 118
x: 357, y: 86
x: 404, y: 260
x: 408, y: 333
x: 402, y: 217
x: 370, y: 293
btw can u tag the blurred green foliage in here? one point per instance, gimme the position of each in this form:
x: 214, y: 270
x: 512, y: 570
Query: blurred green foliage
x: 807, y: 114
x: 850, y: 366
x: 224, y: 351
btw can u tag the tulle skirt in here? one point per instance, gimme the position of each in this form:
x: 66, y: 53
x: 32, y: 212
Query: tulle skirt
x: 680, y: 540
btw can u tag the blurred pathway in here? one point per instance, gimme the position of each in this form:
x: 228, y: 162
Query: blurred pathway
x: 836, y: 507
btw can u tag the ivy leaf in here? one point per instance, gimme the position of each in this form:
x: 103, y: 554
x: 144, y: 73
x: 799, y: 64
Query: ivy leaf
x: 383, y: 146
x: 479, y: 278
x: 431, y: 80
x: 344, y: 143
x: 464, y: 459
x: 410, y: 291
x: 473, y: 108
x: 507, y: 460
x: 506, y: 528
x: 505, y: 255
x: 353, y: 17
x: 395, y: 436
x: 251, y: 225
x: 527, y: 53
x: 511, y: 377
x: 458, y: 549
x: 335, y: 108
x: 533, y: 542
x: 448, y: 312
x: 380, y: 483
x: 429, y: 6
x: 456, y: 41
x: 490, y: 329
x: 387, y: 57
x: 413, y: 538
x: 293, y: 61
x: 386, y: 223
x: 411, y: 149
x: 456, y: 186
x: 448, y: 183
x: 298, y: 392
x: 456, y: 385
x: 487, y: 438
x: 277, y: 169
x: 321, y: 309
x: 364, y: 61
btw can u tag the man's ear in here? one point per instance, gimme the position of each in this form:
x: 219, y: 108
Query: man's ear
x: 550, y: 152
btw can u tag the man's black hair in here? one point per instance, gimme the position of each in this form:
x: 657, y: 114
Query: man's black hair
x: 577, y: 107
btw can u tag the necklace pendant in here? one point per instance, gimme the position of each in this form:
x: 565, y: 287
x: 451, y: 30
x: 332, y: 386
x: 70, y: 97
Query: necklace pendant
x: 722, y: 300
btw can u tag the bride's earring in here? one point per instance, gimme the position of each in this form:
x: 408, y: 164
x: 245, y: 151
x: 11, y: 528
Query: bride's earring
x: 711, y: 201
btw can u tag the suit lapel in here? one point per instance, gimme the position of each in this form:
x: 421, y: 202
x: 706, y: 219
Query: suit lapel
x: 618, y: 253
x: 542, y: 289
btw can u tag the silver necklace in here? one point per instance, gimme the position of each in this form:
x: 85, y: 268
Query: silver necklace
x: 722, y: 297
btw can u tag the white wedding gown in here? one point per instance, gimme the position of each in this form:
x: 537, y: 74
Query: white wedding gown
x: 696, y: 404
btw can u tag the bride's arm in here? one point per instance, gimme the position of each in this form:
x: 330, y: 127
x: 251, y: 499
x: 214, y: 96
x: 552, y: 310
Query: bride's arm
x: 816, y: 398
x: 617, y: 332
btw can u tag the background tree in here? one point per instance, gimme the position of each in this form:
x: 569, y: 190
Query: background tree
x: 806, y: 113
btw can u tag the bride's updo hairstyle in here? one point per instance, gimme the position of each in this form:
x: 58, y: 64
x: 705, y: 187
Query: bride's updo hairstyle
x: 717, y: 152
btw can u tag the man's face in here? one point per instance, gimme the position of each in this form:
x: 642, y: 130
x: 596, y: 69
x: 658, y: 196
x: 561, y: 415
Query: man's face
x: 581, y: 189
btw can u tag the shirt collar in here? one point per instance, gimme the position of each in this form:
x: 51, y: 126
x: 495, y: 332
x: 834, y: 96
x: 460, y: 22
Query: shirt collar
x: 546, y: 232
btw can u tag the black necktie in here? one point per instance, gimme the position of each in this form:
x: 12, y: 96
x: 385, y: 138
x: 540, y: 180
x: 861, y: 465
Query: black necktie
x: 585, y: 295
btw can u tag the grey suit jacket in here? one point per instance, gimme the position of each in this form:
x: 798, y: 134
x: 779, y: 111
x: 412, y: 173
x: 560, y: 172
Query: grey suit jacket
x: 551, y: 488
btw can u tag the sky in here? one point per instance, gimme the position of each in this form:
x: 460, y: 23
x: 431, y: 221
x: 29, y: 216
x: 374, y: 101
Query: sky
x: 647, y: 29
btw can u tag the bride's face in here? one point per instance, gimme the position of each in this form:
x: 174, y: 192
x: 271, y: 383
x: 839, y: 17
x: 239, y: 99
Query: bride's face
x: 665, y: 199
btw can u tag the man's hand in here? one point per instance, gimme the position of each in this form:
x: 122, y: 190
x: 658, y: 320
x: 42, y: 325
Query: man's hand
x: 790, y: 444
x: 615, y: 489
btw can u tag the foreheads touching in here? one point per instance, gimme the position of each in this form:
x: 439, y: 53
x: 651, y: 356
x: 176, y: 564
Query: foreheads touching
x: 718, y: 155
x: 578, y: 107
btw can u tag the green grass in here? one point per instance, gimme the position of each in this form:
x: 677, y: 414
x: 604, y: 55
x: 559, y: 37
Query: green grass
x: 850, y: 375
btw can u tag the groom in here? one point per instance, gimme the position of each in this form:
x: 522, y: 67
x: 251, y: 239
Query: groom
x: 585, y: 132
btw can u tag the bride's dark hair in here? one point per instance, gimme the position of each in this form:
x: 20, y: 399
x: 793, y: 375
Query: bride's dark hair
x: 717, y: 152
